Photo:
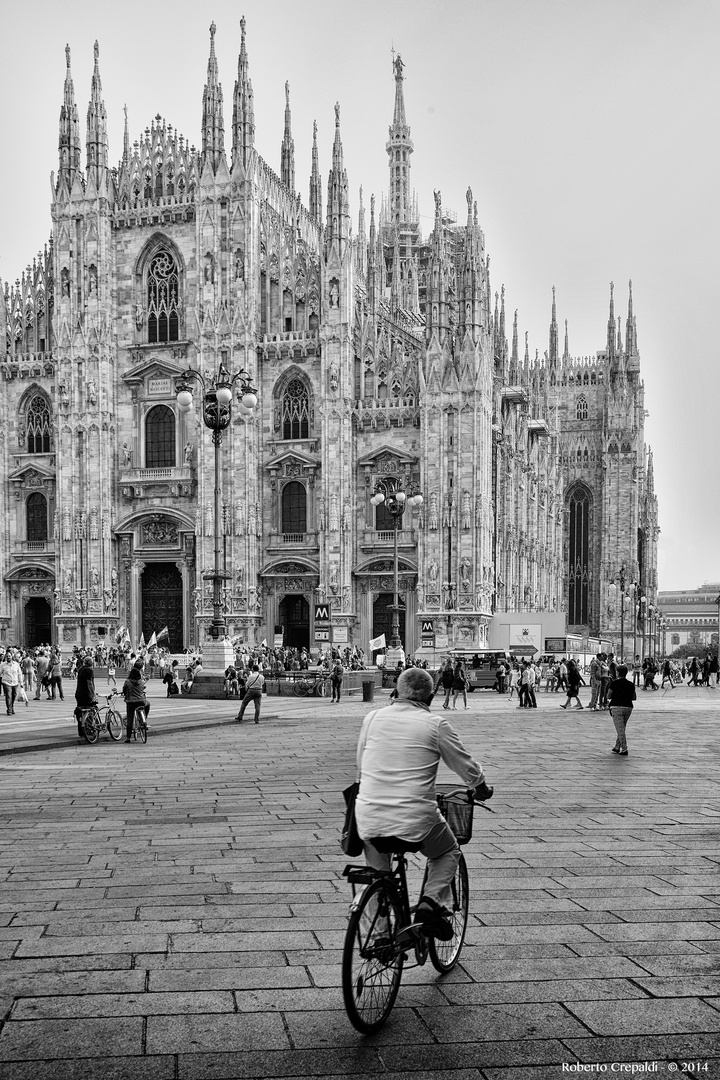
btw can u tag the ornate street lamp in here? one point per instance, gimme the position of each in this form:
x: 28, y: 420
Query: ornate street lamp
x: 396, y: 499
x: 217, y: 394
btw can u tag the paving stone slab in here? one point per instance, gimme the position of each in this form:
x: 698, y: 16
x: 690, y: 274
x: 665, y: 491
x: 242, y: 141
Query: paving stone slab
x: 222, y: 1032
x: 93, y: 1068
x: 665, y: 1016
x: 43, y: 1039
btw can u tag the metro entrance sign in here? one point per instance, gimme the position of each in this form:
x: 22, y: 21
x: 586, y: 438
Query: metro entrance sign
x: 322, y: 614
x: 427, y: 633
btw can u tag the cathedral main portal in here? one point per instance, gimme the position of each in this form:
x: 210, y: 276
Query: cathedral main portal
x: 295, y: 619
x: 38, y: 623
x: 382, y: 618
x: 162, y: 603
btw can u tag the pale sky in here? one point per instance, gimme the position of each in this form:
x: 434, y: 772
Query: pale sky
x: 588, y: 131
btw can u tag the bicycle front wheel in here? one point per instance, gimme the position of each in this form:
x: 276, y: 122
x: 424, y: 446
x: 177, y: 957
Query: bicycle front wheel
x: 141, y: 725
x: 300, y: 688
x: 445, y: 954
x: 114, y: 724
x: 91, y: 727
x: 372, y: 962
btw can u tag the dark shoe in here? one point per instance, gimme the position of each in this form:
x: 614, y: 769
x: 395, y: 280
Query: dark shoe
x: 615, y: 750
x: 257, y: 721
x: 431, y: 917
x: 563, y: 706
x: 128, y: 740
x: 623, y: 753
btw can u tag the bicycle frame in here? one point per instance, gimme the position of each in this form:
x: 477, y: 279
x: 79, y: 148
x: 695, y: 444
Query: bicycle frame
x: 395, y: 883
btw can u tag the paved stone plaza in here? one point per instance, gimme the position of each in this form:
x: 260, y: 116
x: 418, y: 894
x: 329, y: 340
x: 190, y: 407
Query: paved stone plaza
x: 177, y: 910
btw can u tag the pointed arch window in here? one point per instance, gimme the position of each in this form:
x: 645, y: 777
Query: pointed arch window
x: 581, y: 408
x: 160, y: 438
x: 163, y: 299
x: 296, y: 411
x: 37, y: 517
x: 38, y: 426
x: 579, y: 557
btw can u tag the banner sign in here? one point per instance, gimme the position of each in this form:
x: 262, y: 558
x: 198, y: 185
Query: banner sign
x: 377, y: 642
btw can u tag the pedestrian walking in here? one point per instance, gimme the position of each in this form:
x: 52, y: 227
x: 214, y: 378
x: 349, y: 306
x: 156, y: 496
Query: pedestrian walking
x: 527, y: 686
x: 575, y: 680
x: 56, y: 683
x: 460, y: 685
x: 446, y: 680
x: 41, y: 675
x: 336, y: 679
x: 253, y: 692
x: 11, y: 677
x: 85, y: 695
x: 622, y: 695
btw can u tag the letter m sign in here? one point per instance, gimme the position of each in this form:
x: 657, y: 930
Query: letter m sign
x: 426, y: 626
x: 322, y: 613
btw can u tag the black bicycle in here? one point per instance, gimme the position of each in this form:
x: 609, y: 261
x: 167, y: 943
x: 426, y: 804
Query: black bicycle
x: 97, y: 718
x: 140, y: 724
x: 381, y: 934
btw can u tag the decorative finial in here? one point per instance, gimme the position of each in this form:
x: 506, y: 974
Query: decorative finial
x: 96, y: 52
x: 67, y: 56
x: 314, y: 130
x: 337, y: 114
x: 287, y: 92
x: 213, y: 28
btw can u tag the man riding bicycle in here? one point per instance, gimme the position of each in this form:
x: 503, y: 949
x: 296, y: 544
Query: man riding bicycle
x: 398, y: 754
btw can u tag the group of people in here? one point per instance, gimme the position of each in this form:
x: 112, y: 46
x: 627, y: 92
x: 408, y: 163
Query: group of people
x: 133, y: 691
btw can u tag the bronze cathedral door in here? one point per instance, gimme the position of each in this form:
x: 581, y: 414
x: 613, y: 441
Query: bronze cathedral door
x: 162, y: 603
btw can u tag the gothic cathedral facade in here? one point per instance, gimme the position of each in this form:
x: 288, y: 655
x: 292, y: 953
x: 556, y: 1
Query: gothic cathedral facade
x: 378, y: 356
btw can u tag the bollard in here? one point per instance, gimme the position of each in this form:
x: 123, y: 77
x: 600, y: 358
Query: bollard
x: 368, y: 688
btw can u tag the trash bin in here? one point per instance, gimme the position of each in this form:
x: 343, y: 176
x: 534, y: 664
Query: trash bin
x: 368, y: 689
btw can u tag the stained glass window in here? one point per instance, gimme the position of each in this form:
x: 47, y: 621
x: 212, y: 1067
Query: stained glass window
x: 578, y: 557
x: 163, y: 296
x: 295, y: 411
x: 38, y: 426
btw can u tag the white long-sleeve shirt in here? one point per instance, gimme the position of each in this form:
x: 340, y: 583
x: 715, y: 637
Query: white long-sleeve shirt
x: 398, y: 754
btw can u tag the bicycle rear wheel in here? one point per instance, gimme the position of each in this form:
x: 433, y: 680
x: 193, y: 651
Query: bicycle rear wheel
x: 141, y: 725
x: 445, y: 954
x: 372, y: 962
x: 301, y: 687
x: 91, y: 727
x: 114, y: 725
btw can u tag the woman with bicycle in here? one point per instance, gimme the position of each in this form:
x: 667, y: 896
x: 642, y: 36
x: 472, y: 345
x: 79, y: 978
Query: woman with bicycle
x: 398, y: 755
x: 85, y: 695
x: 134, y: 693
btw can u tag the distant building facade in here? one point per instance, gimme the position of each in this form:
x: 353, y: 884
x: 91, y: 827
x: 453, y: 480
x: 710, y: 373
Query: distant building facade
x: 378, y: 355
x: 690, y: 616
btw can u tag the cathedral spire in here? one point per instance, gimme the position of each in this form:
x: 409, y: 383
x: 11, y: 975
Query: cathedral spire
x: 243, y: 114
x: 631, y: 346
x: 126, y: 139
x: 96, y: 142
x: 213, y: 132
x: 566, y: 350
x: 611, y: 323
x: 315, y: 182
x: 553, y: 333
x: 69, y: 141
x: 514, y: 353
x: 338, y: 206
x: 372, y: 282
x: 399, y: 148
x: 287, y: 149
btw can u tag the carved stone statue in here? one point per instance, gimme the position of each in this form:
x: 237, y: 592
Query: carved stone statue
x: 334, y: 377
x: 92, y: 392
x: 187, y: 453
x: 95, y: 581
x: 126, y: 454
x: 432, y: 574
x: 465, y: 565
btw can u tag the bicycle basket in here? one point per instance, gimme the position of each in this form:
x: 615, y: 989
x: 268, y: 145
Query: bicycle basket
x: 458, y: 812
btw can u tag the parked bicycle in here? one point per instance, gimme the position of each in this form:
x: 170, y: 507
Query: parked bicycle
x: 98, y: 718
x: 381, y: 934
x: 316, y: 684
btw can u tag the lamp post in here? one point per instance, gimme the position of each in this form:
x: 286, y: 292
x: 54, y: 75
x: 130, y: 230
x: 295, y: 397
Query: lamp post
x: 217, y: 393
x: 613, y: 588
x: 396, y: 500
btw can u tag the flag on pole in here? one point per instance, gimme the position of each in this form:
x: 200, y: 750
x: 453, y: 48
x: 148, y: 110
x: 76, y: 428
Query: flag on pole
x: 153, y: 641
x: 163, y: 633
x: 141, y: 642
x: 377, y: 642
x: 121, y: 632
x: 264, y: 643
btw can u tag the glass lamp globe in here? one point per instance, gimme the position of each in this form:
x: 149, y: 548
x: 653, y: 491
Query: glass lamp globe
x: 184, y: 399
x: 224, y: 395
x: 249, y: 400
x: 400, y: 497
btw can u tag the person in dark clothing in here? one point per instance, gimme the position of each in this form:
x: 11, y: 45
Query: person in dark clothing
x: 575, y: 680
x: 445, y: 680
x: 85, y: 695
x: 134, y: 693
x: 621, y: 695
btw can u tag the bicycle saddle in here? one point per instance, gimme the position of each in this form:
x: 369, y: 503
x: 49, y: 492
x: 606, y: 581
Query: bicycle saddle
x: 389, y: 844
